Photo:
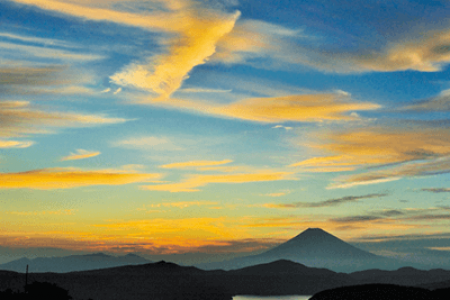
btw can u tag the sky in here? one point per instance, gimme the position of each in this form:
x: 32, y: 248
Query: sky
x: 223, y: 126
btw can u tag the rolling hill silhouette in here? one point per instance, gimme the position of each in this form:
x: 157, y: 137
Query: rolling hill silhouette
x: 169, y: 281
x: 314, y: 247
x: 164, y: 280
x: 72, y: 263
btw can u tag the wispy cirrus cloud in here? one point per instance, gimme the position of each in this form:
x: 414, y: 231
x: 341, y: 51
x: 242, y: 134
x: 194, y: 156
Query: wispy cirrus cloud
x: 180, y: 205
x: 32, y: 76
x: 422, y: 168
x: 327, y: 203
x: 35, y: 40
x: 15, y: 144
x: 17, y: 52
x: 195, y: 164
x: 192, y: 33
x: 294, y: 108
x: 424, y: 51
x: 67, y: 178
x: 255, y: 38
x: 149, y: 142
x: 21, y: 118
x: 50, y: 79
x: 436, y: 190
x: 438, y: 103
x: 404, y: 215
x: 391, y: 152
x: 192, y: 182
x: 81, y: 154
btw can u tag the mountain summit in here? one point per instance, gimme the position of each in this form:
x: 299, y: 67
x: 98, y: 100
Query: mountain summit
x: 317, y: 248
x: 317, y: 243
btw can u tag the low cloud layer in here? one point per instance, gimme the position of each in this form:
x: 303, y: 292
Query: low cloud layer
x: 193, y: 182
x: 66, y: 178
x: 327, y: 203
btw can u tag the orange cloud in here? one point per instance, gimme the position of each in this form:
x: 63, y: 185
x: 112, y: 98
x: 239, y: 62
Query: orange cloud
x: 66, y: 178
x: 15, y: 144
x: 181, y: 204
x: 190, y: 164
x: 414, y: 151
x: 190, y: 229
x: 377, y: 146
x: 99, y: 11
x: 81, y: 154
x: 295, y: 108
x: 191, y: 183
x: 193, y: 33
x: 197, y: 37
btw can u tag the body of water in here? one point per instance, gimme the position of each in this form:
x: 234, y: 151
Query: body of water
x: 271, y: 297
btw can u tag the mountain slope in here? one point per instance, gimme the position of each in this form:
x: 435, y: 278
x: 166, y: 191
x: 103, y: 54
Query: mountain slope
x: 72, y: 263
x: 315, y: 242
x: 314, y: 248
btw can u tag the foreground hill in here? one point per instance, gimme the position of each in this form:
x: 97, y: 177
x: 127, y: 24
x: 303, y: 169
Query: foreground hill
x: 72, y: 263
x: 381, y: 291
x: 403, y: 276
x: 314, y: 247
x: 168, y: 281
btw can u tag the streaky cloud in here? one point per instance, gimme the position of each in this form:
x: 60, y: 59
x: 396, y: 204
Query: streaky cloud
x: 15, y: 144
x: 193, y: 182
x: 327, y: 203
x: 67, y: 178
x: 294, y: 108
x: 436, y: 190
x: 81, y: 154
x: 194, y: 164
x: 20, y: 118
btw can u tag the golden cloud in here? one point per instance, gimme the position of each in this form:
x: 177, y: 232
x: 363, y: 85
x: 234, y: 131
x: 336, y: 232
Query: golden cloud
x: 193, y: 164
x: 295, y: 108
x: 196, y: 41
x: 421, y: 168
x: 398, y: 152
x: 193, y: 35
x: 66, y: 178
x: 378, y: 146
x: 191, y: 183
x: 191, y: 229
x: 81, y: 154
x: 15, y: 144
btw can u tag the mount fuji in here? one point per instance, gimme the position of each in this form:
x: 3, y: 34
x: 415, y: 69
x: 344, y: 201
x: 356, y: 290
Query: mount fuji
x: 317, y: 248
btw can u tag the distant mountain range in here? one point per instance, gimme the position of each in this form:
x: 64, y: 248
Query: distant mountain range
x: 315, y: 247
x: 72, y: 263
x: 166, y: 281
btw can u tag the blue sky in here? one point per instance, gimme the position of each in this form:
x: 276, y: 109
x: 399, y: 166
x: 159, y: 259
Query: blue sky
x: 177, y: 126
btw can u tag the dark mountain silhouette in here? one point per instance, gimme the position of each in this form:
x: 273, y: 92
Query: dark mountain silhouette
x: 283, y: 277
x: 444, y: 284
x: 403, y: 276
x: 379, y: 291
x: 314, y: 247
x: 169, y: 281
x: 72, y: 263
